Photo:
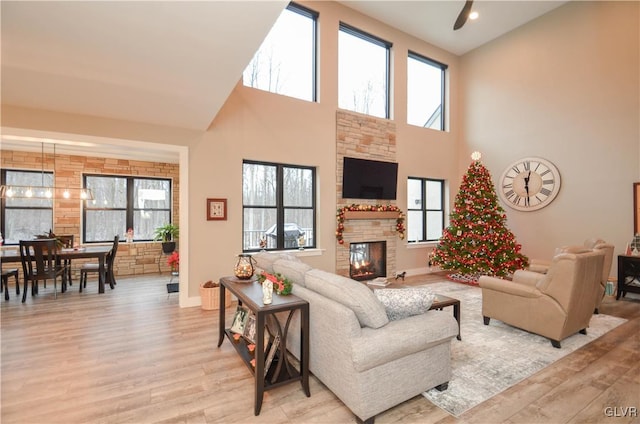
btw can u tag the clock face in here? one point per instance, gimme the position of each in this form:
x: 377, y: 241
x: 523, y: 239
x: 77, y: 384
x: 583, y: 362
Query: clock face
x: 529, y: 184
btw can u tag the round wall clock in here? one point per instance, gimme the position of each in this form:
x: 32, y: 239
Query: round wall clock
x: 529, y: 184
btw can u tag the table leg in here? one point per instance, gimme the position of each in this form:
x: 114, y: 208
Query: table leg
x: 63, y: 278
x: 304, y: 348
x: 101, y: 274
x: 221, y: 317
x: 5, y: 284
x: 621, y: 276
x: 259, y: 368
x: 456, y: 315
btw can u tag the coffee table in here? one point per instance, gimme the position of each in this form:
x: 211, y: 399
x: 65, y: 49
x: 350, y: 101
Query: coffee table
x: 442, y: 301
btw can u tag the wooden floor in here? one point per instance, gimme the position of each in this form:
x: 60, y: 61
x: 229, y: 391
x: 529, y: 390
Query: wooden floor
x: 132, y: 355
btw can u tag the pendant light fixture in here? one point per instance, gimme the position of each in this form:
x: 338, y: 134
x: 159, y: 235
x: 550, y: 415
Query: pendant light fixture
x: 10, y: 191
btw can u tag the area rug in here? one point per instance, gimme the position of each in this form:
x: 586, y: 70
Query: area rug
x: 492, y: 358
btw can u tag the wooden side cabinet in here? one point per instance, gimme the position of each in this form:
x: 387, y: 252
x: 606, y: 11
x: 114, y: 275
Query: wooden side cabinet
x: 628, y: 271
x: 249, y: 294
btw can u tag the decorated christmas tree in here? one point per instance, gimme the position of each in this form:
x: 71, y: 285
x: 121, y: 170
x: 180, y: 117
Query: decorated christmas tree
x: 477, y: 241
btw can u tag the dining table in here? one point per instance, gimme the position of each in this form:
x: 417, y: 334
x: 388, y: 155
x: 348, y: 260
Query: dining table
x: 99, y: 252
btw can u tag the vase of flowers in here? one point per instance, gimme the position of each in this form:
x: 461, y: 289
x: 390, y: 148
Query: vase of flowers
x: 280, y: 283
x: 174, y: 262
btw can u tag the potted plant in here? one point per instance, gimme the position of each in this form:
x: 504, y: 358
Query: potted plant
x: 51, y: 235
x: 167, y: 233
x: 174, y: 262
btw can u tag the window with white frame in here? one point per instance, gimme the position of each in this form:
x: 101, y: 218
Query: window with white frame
x: 24, y: 218
x: 122, y: 202
x: 425, y: 209
x: 279, y: 208
x: 286, y: 61
x: 425, y: 92
x: 363, y: 72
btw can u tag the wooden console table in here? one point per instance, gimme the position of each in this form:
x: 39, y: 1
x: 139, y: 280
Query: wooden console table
x: 628, y: 266
x: 249, y: 294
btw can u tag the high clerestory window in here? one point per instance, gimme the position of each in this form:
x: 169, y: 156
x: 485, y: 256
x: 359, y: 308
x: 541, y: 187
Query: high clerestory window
x: 425, y: 92
x: 278, y: 206
x: 24, y: 218
x: 122, y: 202
x: 363, y: 72
x: 425, y: 209
x: 286, y: 61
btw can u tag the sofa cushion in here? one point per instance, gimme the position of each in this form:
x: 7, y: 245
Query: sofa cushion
x: 405, y: 302
x: 356, y: 296
x: 294, y: 271
x: 264, y: 260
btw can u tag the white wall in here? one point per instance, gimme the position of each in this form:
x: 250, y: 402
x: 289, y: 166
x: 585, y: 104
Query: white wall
x: 564, y: 87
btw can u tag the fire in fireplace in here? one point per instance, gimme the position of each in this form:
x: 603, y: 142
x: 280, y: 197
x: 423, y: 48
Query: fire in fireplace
x: 368, y: 260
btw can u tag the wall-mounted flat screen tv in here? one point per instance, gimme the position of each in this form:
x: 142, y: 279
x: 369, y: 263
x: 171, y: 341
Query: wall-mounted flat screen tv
x: 369, y: 179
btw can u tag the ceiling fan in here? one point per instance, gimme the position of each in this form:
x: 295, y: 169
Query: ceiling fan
x: 463, y: 16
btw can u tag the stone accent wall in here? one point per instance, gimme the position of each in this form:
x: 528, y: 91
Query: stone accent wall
x: 132, y: 258
x: 364, y: 137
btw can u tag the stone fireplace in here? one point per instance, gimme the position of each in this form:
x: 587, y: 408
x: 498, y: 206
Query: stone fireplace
x: 367, y: 260
x: 365, y: 137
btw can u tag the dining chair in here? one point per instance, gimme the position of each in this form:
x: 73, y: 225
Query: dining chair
x: 4, y: 283
x: 39, y: 263
x: 66, y: 241
x: 93, y: 267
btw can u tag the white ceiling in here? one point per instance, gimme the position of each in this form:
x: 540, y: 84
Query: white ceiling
x: 175, y: 63
x: 432, y: 21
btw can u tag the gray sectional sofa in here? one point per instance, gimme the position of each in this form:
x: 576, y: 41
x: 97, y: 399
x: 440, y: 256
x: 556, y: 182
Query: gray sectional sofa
x: 369, y: 362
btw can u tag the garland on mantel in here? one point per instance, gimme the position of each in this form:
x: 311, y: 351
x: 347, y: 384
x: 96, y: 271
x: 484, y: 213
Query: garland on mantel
x: 369, y: 208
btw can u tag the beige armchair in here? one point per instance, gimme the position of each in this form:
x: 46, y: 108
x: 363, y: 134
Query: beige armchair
x: 541, y: 266
x: 598, y: 244
x: 555, y: 305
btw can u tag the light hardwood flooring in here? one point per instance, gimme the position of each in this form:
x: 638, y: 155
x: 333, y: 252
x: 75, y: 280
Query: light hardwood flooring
x: 132, y: 355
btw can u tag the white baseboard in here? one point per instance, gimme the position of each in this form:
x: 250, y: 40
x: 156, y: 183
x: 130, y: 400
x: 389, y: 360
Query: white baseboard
x: 191, y: 302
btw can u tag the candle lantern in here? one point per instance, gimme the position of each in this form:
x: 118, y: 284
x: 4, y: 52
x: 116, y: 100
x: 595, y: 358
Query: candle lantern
x: 244, y: 267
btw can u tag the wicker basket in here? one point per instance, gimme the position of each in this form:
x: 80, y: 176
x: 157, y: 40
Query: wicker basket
x: 210, y: 297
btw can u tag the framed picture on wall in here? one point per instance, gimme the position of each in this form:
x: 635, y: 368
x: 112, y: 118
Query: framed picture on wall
x: 216, y: 209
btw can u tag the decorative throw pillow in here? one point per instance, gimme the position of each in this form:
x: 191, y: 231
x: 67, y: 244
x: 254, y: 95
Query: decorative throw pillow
x: 403, y: 303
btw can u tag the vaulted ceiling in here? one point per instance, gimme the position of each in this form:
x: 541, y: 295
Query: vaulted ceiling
x: 175, y: 63
x: 163, y: 63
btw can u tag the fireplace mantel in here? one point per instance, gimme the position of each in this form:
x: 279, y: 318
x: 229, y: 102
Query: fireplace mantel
x: 371, y: 214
